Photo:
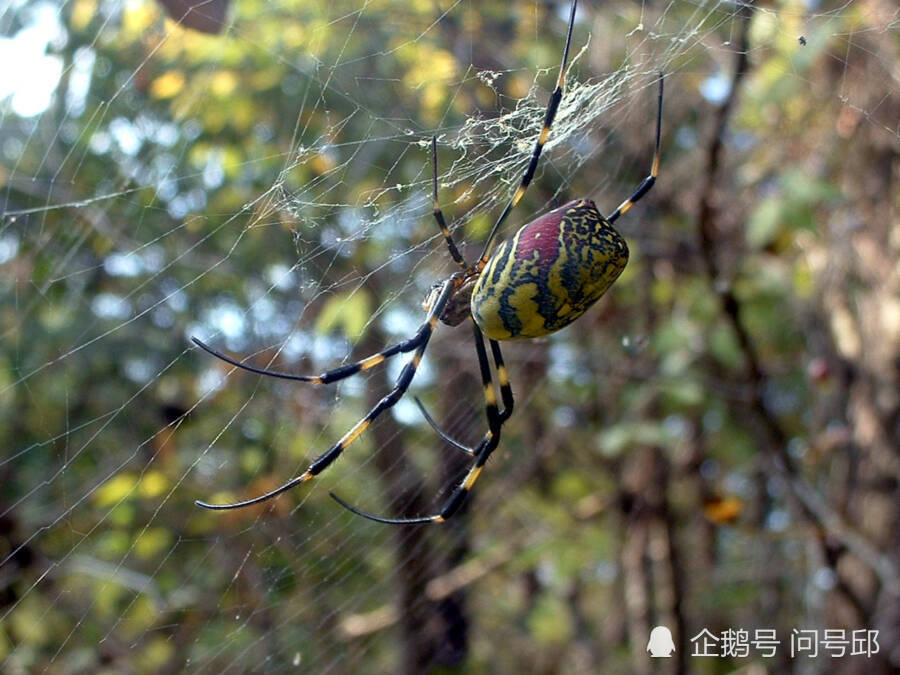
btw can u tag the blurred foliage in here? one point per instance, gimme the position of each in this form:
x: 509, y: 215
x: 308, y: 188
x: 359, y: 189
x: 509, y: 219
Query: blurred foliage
x: 225, y: 186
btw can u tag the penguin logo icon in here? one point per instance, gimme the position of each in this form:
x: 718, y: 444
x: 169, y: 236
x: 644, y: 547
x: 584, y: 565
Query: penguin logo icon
x: 660, y: 644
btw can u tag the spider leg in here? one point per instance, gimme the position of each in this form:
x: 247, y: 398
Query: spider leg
x: 648, y: 182
x: 328, y: 376
x: 488, y: 444
x: 440, y: 432
x: 505, y: 393
x: 402, y: 383
x: 550, y: 115
x: 438, y: 214
x: 503, y: 380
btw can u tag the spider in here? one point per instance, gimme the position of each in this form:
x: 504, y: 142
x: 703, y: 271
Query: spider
x: 536, y: 282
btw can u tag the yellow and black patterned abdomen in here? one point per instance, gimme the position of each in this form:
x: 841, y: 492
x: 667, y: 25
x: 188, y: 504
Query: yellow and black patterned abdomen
x: 548, y: 273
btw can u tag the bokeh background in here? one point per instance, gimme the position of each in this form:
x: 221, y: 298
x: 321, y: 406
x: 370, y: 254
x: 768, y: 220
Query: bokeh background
x: 713, y: 446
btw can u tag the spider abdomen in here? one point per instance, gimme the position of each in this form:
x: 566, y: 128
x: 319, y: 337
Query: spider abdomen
x: 549, y: 273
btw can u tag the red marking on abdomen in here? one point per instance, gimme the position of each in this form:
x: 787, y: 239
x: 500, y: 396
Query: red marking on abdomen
x: 542, y: 235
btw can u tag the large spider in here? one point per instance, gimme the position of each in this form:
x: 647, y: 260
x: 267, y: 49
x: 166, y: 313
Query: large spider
x: 536, y: 282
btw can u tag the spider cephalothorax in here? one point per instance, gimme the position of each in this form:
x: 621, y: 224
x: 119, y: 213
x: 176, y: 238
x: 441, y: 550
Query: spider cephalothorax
x: 457, y: 308
x: 539, y: 280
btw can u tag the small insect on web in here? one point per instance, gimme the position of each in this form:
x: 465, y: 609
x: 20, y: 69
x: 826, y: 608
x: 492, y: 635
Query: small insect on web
x: 536, y: 282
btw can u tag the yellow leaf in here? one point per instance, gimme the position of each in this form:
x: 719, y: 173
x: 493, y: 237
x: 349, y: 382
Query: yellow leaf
x: 223, y: 84
x: 167, y: 85
x: 115, y: 489
x: 82, y: 13
x: 722, y: 510
x: 436, y: 66
x: 267, y: 78
x: 137, y: 18
x: 152, y: 541
x: 153, y: 484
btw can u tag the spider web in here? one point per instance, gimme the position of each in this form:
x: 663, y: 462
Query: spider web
x: 268, y: 190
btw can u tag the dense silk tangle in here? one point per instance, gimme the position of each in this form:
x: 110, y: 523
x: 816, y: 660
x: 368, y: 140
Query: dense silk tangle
x: 549, y: 273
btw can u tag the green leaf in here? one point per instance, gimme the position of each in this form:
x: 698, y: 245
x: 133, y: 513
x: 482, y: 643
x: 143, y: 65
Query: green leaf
x: 551, y: 622
x: 350, y: 312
